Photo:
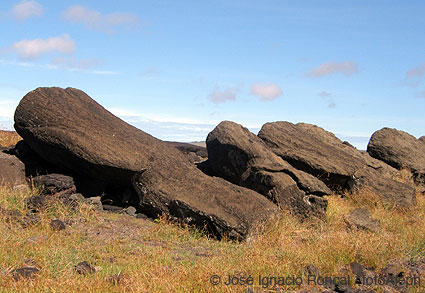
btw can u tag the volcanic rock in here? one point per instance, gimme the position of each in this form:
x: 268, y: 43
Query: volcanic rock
x: 360, y: 218
x: 57, y: 225
x: 400, y: 150
x: 12, y: 170
x: 55, y: 184
x: 241, y: 157
x: 69, y: 129
x: 320, y: 153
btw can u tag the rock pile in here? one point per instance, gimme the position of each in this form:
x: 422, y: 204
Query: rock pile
x: 341, y: 167
x: 73, y: 147
x: 68, y: 129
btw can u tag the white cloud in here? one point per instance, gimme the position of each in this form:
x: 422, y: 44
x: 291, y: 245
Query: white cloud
x: 347, y: 68
x: 222, y: 96
x: 418, y: 71
x: 95, y: 20
x: 33, y: 49
x: 266, y: 92
x: 26, y: 9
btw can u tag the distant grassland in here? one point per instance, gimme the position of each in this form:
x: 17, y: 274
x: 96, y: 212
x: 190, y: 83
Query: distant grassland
x: 162, y: 256
x: 8, y: 138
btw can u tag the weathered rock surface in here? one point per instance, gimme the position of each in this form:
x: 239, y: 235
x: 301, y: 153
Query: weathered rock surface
x: 360, y: 218
x: 69, y: 129
x: 320, y: 153
x: 400, y: 150
x: 241, y: 157
x: 55, y: 184
x: 24, y: 272
x: 12, y: 170
x: 422, y: 138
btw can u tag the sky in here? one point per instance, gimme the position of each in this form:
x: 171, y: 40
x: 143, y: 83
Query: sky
x: 175, y: 69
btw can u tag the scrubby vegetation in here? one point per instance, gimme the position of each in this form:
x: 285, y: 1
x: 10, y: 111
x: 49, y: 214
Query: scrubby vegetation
x: 8, y: 138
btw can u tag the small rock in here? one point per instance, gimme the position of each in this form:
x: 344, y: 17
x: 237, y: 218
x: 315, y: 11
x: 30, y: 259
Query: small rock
x: 359, y: 218
x: 313, y: 270
x: 96, y: 202
x: 36, y: 202
x: 25, y: 272
x: 141, y: 216
x: 78, y: 197
x: 54, y: 184
x: 57, y: 225
x: 113, y: 209
x: 357, y: 269
x: 131, y: 211
x: 73, y: 199
x: 83, y: 268
x: 12, y: 171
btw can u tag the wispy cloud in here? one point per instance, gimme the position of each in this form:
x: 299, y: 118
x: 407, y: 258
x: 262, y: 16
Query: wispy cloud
x: 26, y: 9
x: 416, y: 72
x: 104, y: 72
x: 33, y: 49
x: 222, y: 96
x: 324, y: 94
x: 96, y: 20
x: 53, y: 66
x: 347, y: 68
x: 266, y: 92
x: 327, y: 97
x: 149, y: 71
x: 72, y: 63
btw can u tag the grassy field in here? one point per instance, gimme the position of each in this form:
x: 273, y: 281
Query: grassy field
x: 8, y: 138
x: 140, y: 255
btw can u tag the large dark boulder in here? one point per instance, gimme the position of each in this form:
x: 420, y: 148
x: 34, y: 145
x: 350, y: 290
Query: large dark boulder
x: 400, y: 150
x: 69, y: 129
x: 422, y: 138
x: 241, y: 157
x: 341, y: 167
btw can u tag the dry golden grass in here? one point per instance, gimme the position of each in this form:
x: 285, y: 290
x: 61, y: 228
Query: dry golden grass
x: 8, y: 138
x: 165, y: 257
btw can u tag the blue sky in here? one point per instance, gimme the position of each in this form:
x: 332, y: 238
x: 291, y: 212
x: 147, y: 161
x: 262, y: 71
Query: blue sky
x: 177, y: 68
